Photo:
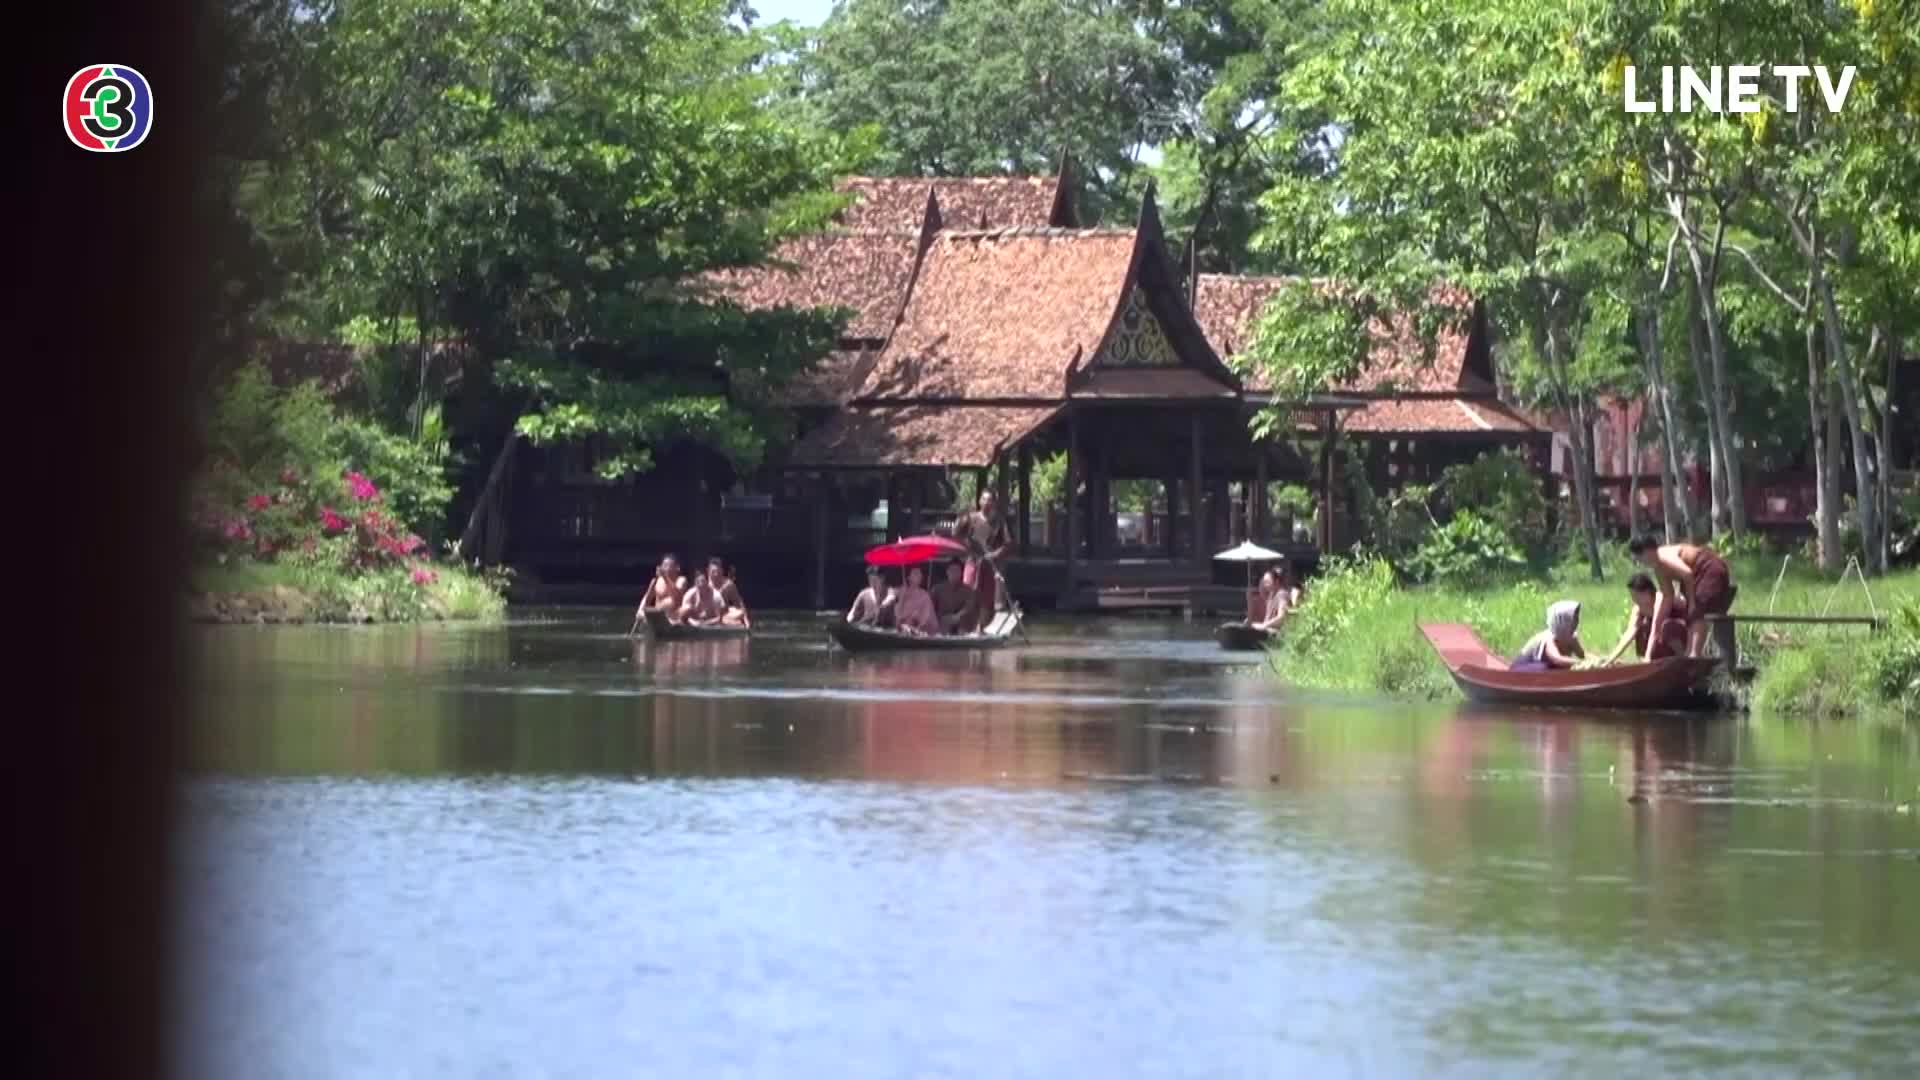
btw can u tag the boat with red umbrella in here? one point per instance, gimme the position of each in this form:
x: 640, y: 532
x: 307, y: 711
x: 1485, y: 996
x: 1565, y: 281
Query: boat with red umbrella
x: 911, y: 551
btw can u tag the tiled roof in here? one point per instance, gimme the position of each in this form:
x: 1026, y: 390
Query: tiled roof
x: 987, y: 202
x: 865, y: 271
x: 1229, y: 305
x: 1003, y: 314
x: 917, y: 435
x: 830, y: 381
x: 1435, y: 415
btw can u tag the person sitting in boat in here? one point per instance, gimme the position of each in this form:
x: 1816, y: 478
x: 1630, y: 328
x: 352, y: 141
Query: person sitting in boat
x: 953, y: 601
x: 913, y: 611
x: 1556, y: 647
x: 735, y: 608
x: 1672, y: 638
x: 666, y: 591
x: 1691, y: 573
x: 1276, y: 599
x: 984, y: 531
x: 872, y: 600
x: 705, y: 603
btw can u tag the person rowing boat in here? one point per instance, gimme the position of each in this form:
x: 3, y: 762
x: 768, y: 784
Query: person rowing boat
x: 664, y: 593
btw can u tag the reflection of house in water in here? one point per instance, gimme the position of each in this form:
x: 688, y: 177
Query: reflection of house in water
x: 993, y: 329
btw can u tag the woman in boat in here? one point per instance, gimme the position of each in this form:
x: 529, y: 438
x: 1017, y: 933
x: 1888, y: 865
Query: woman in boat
x: 1276, y: 599
x: 1672, y: 638
x: 913, y: 612
x: 1686, y: 572
x: 953, y: 601
x: 665, y: 592
x: 1556, y: 647
x: 872, y: 601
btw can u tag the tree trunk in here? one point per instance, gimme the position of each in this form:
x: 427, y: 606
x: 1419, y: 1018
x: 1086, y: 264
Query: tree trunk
x: 1719, y: 396
x: 1703, y: 378
x: 1579, y: 440
x: 485, y: 508
x: 1826, y: 461
x: 1866, y: 488
x: 1883, y: 446
x: 1675, y: 498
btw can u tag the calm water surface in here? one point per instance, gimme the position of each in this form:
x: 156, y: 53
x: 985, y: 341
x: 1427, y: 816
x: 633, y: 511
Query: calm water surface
x: 544, y: 850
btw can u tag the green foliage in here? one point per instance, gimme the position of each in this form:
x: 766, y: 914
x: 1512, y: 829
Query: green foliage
x: 1893, y: 663
x: 1049, y: 481
x: 1342, y: 593
x: 1468, y: 548
x: 1293, y: 499
x: 1502, y: 488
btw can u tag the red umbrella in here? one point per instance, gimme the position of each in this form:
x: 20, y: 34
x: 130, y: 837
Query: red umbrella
x: 915, y: 549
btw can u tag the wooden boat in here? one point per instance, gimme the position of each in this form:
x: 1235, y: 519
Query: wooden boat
x: 1241, y: 637
x: 854, y: 637
x: 659, y: 629
x: 1482, y: 675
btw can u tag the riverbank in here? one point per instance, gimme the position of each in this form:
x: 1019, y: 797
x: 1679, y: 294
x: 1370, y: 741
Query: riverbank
x: 1357, y: 632
x: 256, y: 592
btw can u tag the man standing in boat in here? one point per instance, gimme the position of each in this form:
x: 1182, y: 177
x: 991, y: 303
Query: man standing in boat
x: 1691, y: 572
x: 984, y: 531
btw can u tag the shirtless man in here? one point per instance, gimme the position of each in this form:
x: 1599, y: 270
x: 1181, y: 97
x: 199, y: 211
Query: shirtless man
x: 705, y: 603
x: 953, y: 601
x: 1685, y: 571
x: 984, y: 532
x: 665, y: 591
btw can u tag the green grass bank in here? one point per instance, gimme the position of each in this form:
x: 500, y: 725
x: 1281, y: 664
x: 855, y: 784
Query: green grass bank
x: 1357, y: 631
x: 262, y: 592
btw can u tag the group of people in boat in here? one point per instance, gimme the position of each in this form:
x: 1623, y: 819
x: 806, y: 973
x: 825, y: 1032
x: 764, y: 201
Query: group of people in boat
x: 1668, y: 617
x: 711, y: 599
x: 965, y: 600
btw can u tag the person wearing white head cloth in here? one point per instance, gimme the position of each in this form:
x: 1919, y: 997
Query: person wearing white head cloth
x: 1558, y: 646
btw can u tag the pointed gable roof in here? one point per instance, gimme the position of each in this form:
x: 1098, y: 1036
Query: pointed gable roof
x: 967, y: 202
x: 1023, y: 314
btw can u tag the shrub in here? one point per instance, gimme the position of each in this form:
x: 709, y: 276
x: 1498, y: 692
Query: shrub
x: 1502, y: 488
x: 1467, y: 549
x: 1893, y: 664
x: 1340, y: 593
x: 286, y: 477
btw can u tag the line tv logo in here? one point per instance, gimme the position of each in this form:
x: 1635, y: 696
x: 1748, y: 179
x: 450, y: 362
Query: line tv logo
x: 108, y: 108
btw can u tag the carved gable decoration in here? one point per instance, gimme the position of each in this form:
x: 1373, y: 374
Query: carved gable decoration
x: 1138, y: 340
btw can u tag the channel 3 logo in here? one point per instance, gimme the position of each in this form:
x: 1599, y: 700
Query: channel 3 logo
x: 109, y: 108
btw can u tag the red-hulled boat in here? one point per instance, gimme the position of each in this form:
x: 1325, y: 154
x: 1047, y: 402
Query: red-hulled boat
x: 1482, y: 675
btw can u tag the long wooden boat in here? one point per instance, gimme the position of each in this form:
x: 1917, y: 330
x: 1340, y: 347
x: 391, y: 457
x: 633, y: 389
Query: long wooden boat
x: 854, y: 637
x: 1483, y: 676
x: 659, y: 629
x: 1241, y: 637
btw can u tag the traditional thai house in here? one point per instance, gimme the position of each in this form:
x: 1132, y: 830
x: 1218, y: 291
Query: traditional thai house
x: 1418, y: 412
x: 992, y: 336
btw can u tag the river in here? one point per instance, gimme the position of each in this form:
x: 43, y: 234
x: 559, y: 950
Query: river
x: 541, y: 849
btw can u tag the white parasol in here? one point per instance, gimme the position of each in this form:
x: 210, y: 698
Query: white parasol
x: 1249, y: 552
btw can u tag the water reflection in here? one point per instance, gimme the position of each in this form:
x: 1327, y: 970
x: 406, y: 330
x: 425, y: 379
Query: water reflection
x: 1078, y: 855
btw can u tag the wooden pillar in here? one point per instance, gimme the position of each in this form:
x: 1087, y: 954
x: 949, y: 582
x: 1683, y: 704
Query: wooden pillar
x: 1026, y: 500
x: 1173, y: 516
x: 1257, y: 532
x: 1196, y: 491
x: 1073, y: 503
x: 1326, y: 485
x: 895, y: 512
x: 823, y: 495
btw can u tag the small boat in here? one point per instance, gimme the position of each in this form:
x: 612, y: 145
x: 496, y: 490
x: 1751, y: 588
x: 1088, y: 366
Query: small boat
x: 1482, y: 675
x: 1242, y: 637
x: 855, y: 637
x: 659, y: 629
